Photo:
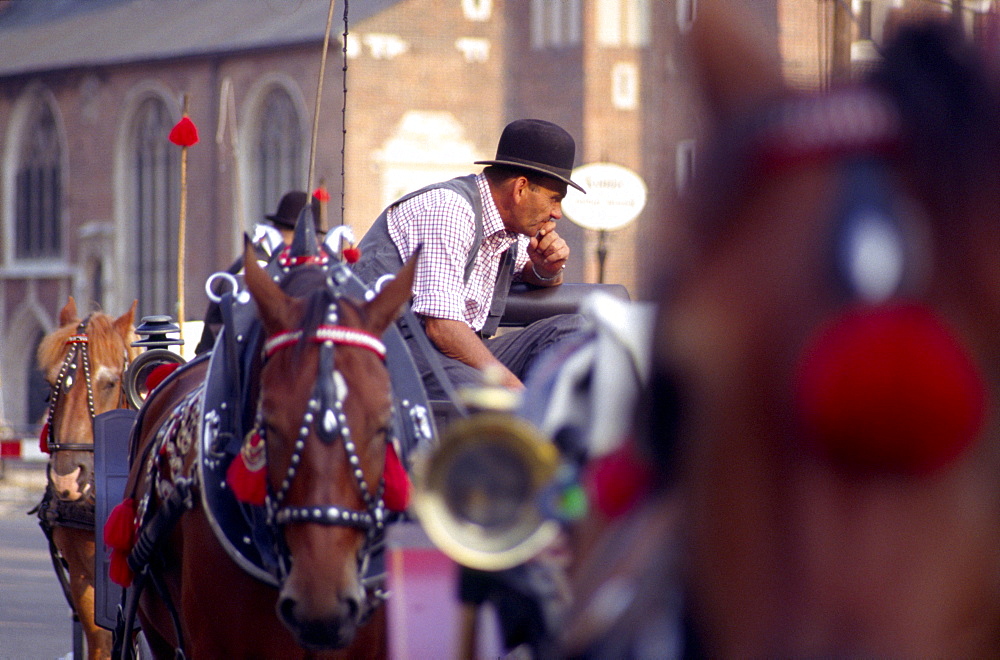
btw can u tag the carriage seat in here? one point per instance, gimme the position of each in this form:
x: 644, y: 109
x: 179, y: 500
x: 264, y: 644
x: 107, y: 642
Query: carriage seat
x: 525, y: 305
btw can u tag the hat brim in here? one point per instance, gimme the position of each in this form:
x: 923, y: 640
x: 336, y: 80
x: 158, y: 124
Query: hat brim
x: 278, y: 220
x: 533, y: 168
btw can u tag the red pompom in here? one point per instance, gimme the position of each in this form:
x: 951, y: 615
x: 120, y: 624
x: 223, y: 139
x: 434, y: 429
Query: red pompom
x: 159, y: 374
x: 397, y: 482
x: 890, y: 389
x: 43, y: 439
x: 184, y: 133
x: 352, y: 254
x: 321, y: 194
x: 246, y: 475
x: 118, y: 570
x: 616, y: 482
x: 119, y: 529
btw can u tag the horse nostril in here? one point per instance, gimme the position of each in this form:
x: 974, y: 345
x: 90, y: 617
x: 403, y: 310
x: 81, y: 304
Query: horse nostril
x: 353, y: 607
x: 286, y: 610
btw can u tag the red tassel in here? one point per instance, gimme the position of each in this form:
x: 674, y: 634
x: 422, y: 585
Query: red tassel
x: 159, y: 374
x: 397, y: 482
x: 617, y: 481
x: 321, y: 194
x: 246, y: 475
x: 43, y: 439
x: 184, y: 133
x: 890, y: 389
x: 119, y: 570
x: 352, y: 254
x: 119, y: 529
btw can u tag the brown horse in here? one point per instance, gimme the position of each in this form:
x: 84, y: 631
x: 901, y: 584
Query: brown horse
x: 828, y: 355
x: 83, y: 362
x: 319, y: 441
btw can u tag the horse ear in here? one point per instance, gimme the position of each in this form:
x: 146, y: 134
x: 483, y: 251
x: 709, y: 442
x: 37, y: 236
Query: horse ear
x: 272, y: 303
x: 68, y: 314
x: 735, y: 67
x: 388, y: 304
x: 124, y: 323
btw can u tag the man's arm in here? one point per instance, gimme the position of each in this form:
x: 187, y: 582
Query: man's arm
x: 457, y: 340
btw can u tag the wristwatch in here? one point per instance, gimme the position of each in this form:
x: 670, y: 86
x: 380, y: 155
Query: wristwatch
x: 546, y: 279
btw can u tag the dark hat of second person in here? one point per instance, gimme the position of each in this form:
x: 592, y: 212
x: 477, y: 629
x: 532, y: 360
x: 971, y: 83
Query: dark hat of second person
x: 289, y: 208
x: 539, y: 146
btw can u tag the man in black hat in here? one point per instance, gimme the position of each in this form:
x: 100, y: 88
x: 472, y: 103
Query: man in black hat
x: 284, y: 219
x: 478, y: 234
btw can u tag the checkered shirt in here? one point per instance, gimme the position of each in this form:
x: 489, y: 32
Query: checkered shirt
x: 444, y: 222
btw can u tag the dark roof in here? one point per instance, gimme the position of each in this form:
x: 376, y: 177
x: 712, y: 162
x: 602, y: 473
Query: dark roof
x: 47, y: 35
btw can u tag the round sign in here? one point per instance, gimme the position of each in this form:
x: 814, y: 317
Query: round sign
x: 615, y: 196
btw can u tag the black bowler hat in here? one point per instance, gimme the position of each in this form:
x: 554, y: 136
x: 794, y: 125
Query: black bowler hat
x: 290, y: 206
x: 537, y: 145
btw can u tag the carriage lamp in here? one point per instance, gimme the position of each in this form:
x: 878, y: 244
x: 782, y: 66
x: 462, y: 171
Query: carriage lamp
x: 156, y: 362
x: 154, y: 331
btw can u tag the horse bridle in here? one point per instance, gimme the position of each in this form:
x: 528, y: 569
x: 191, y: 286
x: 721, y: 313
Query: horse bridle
x: 325, y: 413
x: 79, y: 343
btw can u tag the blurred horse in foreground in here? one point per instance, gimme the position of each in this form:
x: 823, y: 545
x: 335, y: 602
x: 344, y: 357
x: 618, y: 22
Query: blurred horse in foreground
x: 822, y: 408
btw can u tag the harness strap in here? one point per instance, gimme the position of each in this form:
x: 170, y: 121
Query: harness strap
x: 153, y: 531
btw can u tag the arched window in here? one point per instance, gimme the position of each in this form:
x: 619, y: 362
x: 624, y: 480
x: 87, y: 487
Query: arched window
x: 38, y: 189
x: 154, y: 221
x: 278, y: 151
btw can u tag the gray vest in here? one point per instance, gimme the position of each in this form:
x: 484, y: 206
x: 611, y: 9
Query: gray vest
x: 379, y: 254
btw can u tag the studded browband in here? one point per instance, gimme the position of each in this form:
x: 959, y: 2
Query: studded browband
x: 337, y: 334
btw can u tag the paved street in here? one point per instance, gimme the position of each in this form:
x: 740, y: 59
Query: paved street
x: 34, y: 618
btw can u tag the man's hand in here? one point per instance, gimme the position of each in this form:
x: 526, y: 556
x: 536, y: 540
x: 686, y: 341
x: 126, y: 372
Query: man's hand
x: 547, y: 254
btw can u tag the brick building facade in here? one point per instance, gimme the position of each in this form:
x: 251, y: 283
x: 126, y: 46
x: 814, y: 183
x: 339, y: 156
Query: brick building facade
x: 90, y: 188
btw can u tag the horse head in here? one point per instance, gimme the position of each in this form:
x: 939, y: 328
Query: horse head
x: 83, y: 362
x: 324, y: 420
x: 830, y: 332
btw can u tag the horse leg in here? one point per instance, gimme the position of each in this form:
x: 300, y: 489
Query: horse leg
x: 77, y: 548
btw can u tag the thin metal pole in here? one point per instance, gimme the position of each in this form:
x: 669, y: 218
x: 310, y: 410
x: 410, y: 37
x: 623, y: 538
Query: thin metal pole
x: 182, y: 229
x: 319, y: 96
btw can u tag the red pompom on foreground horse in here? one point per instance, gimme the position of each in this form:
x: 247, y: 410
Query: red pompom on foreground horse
x: 291, y: 454
x: 823, y: 410
x: 83, y: 362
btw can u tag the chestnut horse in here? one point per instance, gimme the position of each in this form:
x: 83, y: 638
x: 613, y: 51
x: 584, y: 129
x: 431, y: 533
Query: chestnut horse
x: 823, y: 411
x: 321, y: 409
x: 83, y: 362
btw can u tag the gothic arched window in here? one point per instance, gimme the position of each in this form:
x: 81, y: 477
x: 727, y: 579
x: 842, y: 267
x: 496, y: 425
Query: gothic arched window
x: 38, y: 189
x: 278, y: 150
x: 154, y: 221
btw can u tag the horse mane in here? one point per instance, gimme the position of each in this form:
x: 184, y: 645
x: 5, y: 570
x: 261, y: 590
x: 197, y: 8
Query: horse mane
x: 105, y: 344
x: 949, y: 107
